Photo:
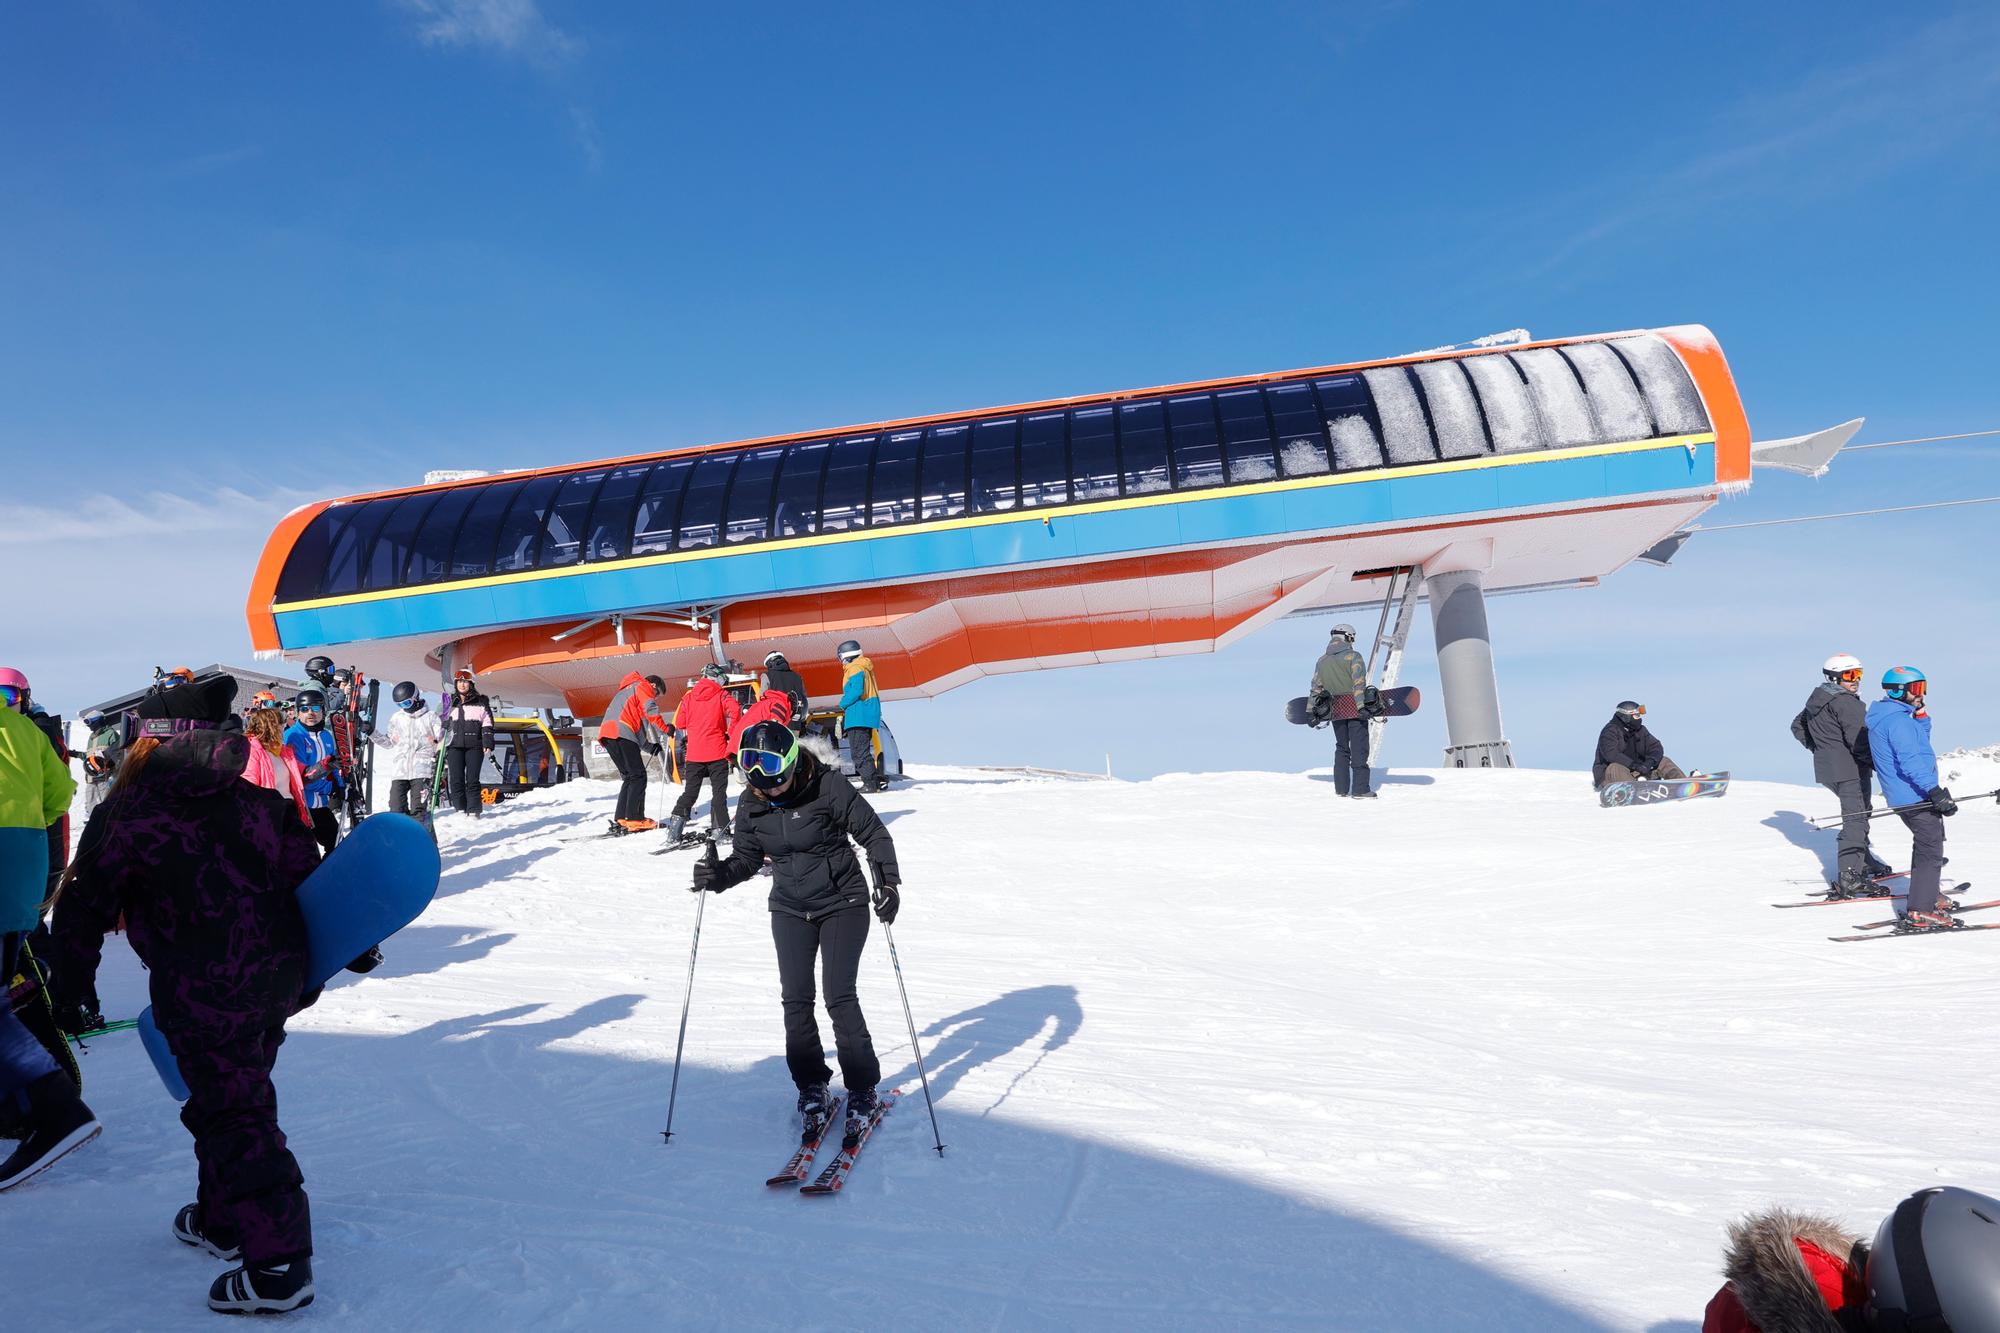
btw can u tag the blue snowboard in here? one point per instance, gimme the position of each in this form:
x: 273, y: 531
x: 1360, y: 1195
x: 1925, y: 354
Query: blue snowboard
x: 379, y: 879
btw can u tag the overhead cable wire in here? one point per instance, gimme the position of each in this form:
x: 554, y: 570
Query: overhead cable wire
x: 1853, y: 513
x: 1927, y: 439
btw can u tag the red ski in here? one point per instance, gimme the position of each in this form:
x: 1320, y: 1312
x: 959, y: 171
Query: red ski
x: 835, y: 1175
x: 1912, y: 934
x: 1959, y: 910
x: 800, y: 1166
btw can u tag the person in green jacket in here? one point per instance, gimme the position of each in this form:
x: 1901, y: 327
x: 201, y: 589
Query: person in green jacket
x: 35, y: 788
x: 1339, y: 679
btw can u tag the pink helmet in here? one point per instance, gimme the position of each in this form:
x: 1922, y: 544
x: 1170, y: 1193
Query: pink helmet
x: 9, y: 676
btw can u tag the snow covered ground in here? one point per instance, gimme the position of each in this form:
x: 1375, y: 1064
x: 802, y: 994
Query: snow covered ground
x: 1211, y: 1051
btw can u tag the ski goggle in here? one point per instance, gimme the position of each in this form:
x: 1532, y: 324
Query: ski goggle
x: 1916, y: 689
x: 1639, y: 711
x: 11, y: 695
x: 1852, y: 674
x: 261, y: 702
x: 768, y: 762
x: 411, y: 704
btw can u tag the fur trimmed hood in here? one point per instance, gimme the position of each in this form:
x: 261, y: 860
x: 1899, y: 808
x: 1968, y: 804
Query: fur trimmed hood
x: 1792, y: 1270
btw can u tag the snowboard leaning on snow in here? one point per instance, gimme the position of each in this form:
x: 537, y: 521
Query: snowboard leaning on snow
x: 1653, y: 791
x: 378, y: 879
x: 1398, y: 702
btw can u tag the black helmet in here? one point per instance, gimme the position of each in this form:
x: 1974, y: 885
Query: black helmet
x: 405, y: 691
x: 849, y: 650
x: 1935, y: 1263
x: 1631, y: 711
x: 659, y: 685
x: 775, y: 660
x: 767, y: 754
x: 305, y: 699
x: 320, y: 668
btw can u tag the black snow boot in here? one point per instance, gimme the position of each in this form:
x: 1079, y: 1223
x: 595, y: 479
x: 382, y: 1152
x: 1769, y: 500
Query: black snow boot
x: 1877, y: 866
x: 188, y: 1231
x: 263, y: 1288
x: 58, y: 1124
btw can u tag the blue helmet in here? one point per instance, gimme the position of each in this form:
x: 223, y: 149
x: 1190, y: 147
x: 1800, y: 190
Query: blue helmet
x: 1903, y: 682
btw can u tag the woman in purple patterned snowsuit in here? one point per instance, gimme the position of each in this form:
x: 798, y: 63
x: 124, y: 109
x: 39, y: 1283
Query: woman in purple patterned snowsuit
x: 203, y: 866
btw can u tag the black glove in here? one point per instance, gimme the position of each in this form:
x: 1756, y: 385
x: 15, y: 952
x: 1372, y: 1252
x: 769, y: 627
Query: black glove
x: 656, y: 749
x: 1941, y: 801
x: 75, y: 1019
x: 367, y: 962
x: 887, y: 900
x: 708, y: 872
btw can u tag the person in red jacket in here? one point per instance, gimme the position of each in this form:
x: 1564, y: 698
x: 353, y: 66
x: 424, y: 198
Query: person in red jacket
x: 624, y: 735
x: 707, y: 716
x: 771, y: 706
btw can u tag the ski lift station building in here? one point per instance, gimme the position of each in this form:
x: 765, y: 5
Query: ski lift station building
x: 1090, y: 529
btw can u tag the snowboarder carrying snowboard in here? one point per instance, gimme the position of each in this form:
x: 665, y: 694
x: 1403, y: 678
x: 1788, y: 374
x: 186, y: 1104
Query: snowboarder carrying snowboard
x: 35, y: 788
x: 801, y: 813
x: 1342, y: 677
x: 1627, y: 752
x: 410, y: 745
x: 1834, y: 726
x: 204, y: 867
x: 1899, y: 739
x: 707, y: 716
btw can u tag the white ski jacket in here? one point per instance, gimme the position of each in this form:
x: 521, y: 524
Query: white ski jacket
x: 409, y: 749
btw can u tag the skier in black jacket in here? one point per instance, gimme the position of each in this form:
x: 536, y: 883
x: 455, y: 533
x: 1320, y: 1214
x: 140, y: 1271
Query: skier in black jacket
x: 1834, y: 726
x: 1627, y: 752
x: 802, y: 813
x: 778, y: 675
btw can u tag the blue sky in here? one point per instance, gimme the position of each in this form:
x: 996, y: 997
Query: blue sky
x: 259, y: 254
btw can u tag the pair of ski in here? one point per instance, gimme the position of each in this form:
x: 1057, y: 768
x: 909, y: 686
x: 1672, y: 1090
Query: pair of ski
x: 834, y: 1175
x: 1881, y: 929
x: 1830, y: 898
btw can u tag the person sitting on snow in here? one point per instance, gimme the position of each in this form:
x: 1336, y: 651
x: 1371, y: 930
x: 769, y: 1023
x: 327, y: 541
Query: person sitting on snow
x: 1627, y: 752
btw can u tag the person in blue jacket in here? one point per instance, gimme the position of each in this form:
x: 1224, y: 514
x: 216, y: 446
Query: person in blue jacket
x: 1899, y: 740
x: 860, y: 713
x: 312, y: 745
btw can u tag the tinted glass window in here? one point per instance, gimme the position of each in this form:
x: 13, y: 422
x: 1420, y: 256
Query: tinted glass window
x: 472, y: 553
x: 941, y: 478
x: 701, y: 511
x: 845, y: 505
x: 750, y: 496
x: 306, y: 566
x: 1142, y: 446
x: 1197, y: 447
x: 1351, y: 425
x: 1301, y: 434
x: 430, y: 548
x: 1044, y: 460
x: 610, y: 521
x: 343, y: 566
x: 1246, y: 433
x: 994, y: 469
x: 521, y: 529
x: 659, y: 507
x: 893, y: 496
x: 1093, y: 454
x: 391, y: 551
x: 562, y: 542
x: 797, y: 511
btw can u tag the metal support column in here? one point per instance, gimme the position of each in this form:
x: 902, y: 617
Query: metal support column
x: 1465, y: 669
x: 1390, y: 641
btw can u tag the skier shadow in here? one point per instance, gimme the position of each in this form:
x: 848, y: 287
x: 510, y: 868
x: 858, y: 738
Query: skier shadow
x: 500, y: 825
x: 973, y: 1037
x: 416, y: 951
x: 459, y: 878
x: 1377, y: 778
x: 1802, y: 833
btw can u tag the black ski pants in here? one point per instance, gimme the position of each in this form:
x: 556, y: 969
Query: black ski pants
x: 326, y: 829
x: 861, y: 744
x: 410, y: 796
x: 461, y: 769
x: 250, y: 1190
x: 837, y: 938
x: 630, y: 762
x: 1926, y: 857
x: 1856, y: 800
x: 715, y: 772
x: 1350, y: 756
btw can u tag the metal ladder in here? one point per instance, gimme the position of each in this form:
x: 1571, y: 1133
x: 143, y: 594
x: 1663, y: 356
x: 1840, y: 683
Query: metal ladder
x: 1391, y: 637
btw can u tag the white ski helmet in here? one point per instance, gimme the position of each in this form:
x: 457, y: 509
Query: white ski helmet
x: 1840, y: 664
x: 1342, y: 632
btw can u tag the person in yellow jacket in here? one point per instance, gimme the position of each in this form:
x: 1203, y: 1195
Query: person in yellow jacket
x: 35, y: 788
x: 860, y: 713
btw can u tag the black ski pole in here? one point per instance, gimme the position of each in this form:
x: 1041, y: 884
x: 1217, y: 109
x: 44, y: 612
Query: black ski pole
x: 890, y: 935
x: 1828, y: 821
x: 673, y: 1093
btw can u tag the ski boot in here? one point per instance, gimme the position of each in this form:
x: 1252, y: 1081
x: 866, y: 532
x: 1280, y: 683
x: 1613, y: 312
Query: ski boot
x: 860, y: 1106
x: 1852, y: 883
x: 58, y: 1123
x: 263, y: 1288
x: 815, y: 1104
x: 1877, y: 867
x: 675, y: 825
x: 1366, y: 796
x: 187, y: 1230
x: 1922, y: 923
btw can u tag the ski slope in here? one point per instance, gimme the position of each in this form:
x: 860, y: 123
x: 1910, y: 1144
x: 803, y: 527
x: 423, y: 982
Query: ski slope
x: 1210, y: 1051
